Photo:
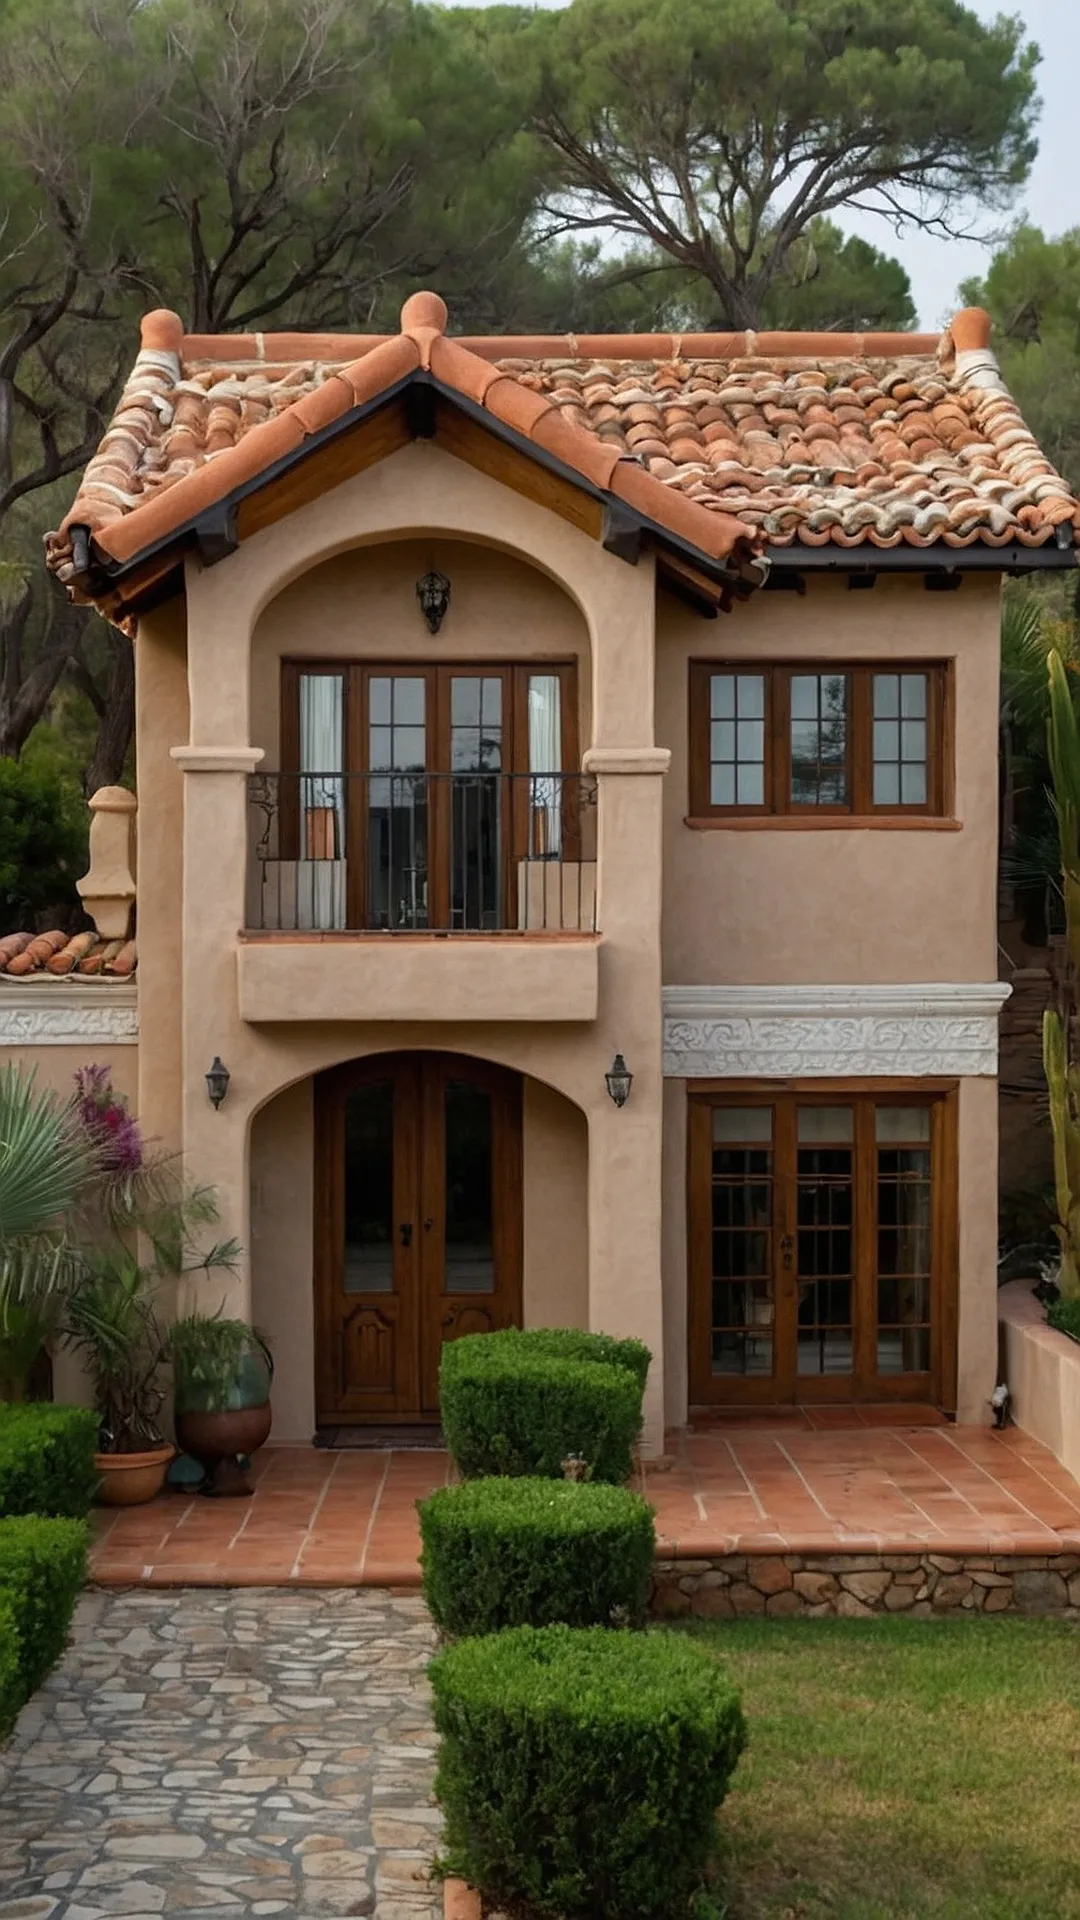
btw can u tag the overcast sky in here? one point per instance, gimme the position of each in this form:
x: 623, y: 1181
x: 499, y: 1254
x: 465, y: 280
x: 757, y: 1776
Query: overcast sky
x: 1050, y: 199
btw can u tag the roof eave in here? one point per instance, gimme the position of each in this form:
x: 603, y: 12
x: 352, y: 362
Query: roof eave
x: 939, y: 558
x: 212, y: 530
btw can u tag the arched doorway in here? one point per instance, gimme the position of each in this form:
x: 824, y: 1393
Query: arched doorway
x: 418, y: 1226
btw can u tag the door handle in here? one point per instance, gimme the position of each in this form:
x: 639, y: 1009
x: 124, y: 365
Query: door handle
x: 787, y: 1251
x: 405, y: 1231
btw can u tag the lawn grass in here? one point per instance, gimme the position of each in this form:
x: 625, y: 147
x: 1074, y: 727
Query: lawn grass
x: 904, y: 1770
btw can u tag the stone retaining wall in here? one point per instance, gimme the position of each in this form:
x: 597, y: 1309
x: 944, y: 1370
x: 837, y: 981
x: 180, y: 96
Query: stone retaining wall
x: 857, y: 1585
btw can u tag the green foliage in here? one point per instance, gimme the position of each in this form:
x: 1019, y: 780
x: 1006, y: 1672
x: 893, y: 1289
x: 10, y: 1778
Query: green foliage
x: 580, y: 1770
x: 1065, y: 1316
x: 510, y: 1553
x: 42, y: 1572
x: 1060, y: 1060
x: 46, y: 1165
x: 1032, y: 292
x: 218, y: 1364
x: 507, y: 1409
x: 11, y: 1691
x: 720, y: 131
x: 47, y: 1460
x: 570, y: 1343
x: 43, y: 844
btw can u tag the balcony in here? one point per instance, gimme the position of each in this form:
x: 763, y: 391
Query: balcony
x: 416, y: 896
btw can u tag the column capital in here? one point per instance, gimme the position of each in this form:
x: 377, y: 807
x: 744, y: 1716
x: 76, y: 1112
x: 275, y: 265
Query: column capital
x: 217, y: 759
x: 626, y: 760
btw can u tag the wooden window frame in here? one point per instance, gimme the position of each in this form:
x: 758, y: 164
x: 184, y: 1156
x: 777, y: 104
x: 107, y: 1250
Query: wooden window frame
x: 939, y: 1386
x: 861, y: 810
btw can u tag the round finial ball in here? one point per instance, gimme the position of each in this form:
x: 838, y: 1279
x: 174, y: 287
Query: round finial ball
x: 424, y: 310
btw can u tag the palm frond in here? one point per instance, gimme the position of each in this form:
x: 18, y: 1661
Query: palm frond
x: 46, y: 1159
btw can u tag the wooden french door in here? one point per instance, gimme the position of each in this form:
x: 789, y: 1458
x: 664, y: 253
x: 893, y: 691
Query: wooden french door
x: 822, y: 1246
x: 418, y: 1226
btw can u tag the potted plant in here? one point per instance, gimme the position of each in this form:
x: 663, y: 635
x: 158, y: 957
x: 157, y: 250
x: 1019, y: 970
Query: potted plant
x: 141, y: 1235
x: 113, y: 1325
x: 222, y: 1371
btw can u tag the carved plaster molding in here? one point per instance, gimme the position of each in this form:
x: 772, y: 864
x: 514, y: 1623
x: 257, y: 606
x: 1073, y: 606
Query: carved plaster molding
x: 68, y: 1013
x: 770, y: 1033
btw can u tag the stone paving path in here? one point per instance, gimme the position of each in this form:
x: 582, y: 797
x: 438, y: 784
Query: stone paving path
x: 228, y: 1754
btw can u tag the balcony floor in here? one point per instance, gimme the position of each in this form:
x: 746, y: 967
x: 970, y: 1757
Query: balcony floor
x: 837, y: 1480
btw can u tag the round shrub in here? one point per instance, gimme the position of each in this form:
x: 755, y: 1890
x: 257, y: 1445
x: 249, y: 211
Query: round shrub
x: 580, y: 1770
x: 42, y: 1571
x: 47, y: 1459
x: 12, y: 1691
x: 511, y: 1409
x: 528, y: 1552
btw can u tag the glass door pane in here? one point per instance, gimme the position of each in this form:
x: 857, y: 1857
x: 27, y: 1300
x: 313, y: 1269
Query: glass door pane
x: 825, y: 1238
x: 904, y: 1239
x: 368, y: 1265
x: 469, y: 1261
x: 476, y: 811
x: 397, y: 802
x: 742, y: 1290
x: 320, y: 876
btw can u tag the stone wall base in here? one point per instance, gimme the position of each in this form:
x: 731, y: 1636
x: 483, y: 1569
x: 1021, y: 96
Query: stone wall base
x: 856, y: 1585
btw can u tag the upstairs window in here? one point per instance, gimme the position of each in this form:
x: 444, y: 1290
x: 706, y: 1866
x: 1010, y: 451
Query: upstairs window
x: 815, y: 740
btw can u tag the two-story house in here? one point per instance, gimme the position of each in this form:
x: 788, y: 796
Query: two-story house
x: 567, y: 807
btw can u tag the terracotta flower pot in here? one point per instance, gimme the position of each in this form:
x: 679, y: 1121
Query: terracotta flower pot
x: 219, y: 1440
x: 130, y: 1479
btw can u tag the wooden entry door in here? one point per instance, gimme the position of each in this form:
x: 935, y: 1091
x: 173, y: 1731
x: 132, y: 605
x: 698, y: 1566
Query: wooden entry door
x: 418, y: 1227
x: 822, y: 1247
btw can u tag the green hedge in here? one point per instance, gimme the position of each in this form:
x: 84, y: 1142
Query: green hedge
x: 509, y: 1407
x: 42, y: 1571
x: 529, y: 1552
x: 47, y: 1459
x: 11, y: 1688
x: 580, y: 1770
x: 572, y: 1343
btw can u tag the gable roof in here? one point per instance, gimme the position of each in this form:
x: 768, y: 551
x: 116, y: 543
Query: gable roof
x: 729, y: 444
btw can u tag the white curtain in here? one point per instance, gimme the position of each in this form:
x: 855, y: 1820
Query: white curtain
x: 322, y: 742
x: 545, y: 760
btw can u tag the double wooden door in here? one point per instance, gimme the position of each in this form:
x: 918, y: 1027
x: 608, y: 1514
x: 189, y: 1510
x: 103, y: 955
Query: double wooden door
x: 822, y: 1246
x: 418, y: 1227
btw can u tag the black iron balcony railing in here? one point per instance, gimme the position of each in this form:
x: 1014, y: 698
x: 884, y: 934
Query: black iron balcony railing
x: 412, y: 852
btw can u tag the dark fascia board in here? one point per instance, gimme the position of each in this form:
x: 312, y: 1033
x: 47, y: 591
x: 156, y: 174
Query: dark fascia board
x: 204, y: 530
x: 936, y: 559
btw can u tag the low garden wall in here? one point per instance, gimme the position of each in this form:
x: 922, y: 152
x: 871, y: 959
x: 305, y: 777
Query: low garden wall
x: 1042, y: 1368
x: 853, y: 1585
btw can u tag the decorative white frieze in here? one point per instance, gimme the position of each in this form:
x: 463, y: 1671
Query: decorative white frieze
x: 771, y: 1033
x: 68, y: 1013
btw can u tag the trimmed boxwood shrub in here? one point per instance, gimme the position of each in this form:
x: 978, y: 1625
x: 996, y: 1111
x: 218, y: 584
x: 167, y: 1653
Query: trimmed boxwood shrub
x: 510, y: 1553
x: 580, y: 1770
x: 11, y: 1688
x: 573, y: 1343
x: 47, y: 1459
x: 42, y: 1571
x: 511, y: 1409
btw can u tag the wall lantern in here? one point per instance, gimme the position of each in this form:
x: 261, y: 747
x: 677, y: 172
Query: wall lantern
x: 433, y: 593
x: 619, y: 1081
x: 217, y: 1082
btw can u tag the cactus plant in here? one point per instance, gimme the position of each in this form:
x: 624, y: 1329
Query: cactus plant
x: 1061, y: 1048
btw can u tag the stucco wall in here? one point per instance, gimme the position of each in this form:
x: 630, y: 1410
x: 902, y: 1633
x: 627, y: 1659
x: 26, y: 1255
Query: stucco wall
x: 282, y: 1234
x: 786, y: 904
x: 161, y: 710
x: 56, y: 1066
x: 362, y: 606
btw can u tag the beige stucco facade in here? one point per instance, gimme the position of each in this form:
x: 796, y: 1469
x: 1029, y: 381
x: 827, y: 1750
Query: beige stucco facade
x: 846, y: 912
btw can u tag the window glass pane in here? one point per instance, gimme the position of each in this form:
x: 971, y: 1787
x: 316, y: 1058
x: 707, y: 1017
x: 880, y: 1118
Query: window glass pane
x: 409, y: 697
x: 886, y: 696
x: 545, y: 758
x: 825, y: 1123
x: 900, y: 745
x: 819, y: 703
x: 722, y: 696
x: 901, y: 1123
x: 722, y: 785
x: 742, y: 1123
x: 475, y: 724
x: 379, y: 701
x: 737, y: 739
x: 469, y: 1265
x: 369, y: 1189
x: 751, y: 786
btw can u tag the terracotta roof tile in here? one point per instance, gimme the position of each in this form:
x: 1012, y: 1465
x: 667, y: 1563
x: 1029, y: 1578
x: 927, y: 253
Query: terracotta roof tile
x: 29, y: 956
x: 873, y: 439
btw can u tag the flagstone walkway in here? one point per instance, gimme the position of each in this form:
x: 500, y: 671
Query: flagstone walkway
x: 229, y: 1754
